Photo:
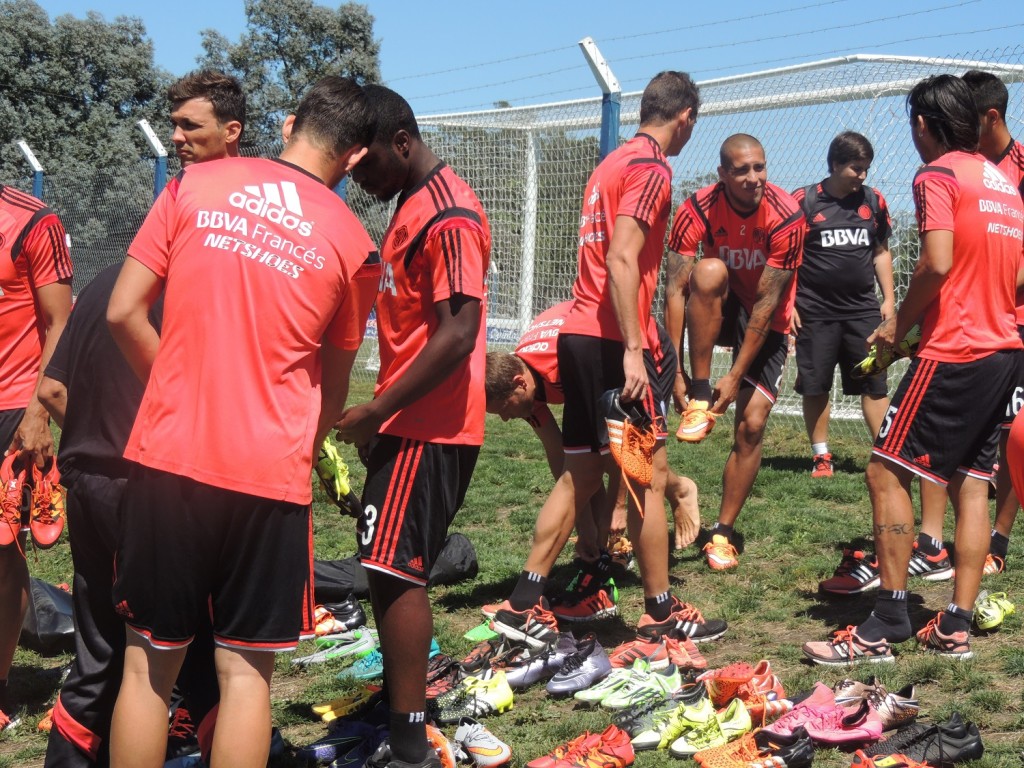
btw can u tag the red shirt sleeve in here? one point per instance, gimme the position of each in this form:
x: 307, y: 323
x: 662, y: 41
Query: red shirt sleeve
x: 687, y: 229
x: 787, y: 242
x: 457, y: 249
x: 46, y: 251
x: 935, y: 192
x: 883, y: 222
x: 152, y: 244
x: 646, y: 189
x: 348, y: 326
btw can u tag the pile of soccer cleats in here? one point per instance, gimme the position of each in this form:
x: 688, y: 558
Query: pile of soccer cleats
x: 878, y: 360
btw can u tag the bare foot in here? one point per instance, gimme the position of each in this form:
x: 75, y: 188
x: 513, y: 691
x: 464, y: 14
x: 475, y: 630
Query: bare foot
x: 681, y: 493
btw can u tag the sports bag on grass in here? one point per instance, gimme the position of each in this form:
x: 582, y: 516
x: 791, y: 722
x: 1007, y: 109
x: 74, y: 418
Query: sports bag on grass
x: 49, y: 626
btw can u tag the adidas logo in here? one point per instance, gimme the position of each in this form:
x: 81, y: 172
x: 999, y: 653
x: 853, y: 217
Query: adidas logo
x: 122, y: 609
x: 416, y: 564
x: 924, y: 461
x: 721, y: 232
x: 994, y: 179
x: 818, y: 218
x: 278, y: 203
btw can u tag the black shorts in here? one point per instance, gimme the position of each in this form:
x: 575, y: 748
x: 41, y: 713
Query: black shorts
x: 823, y: 344
x: 9, y: 421
x: 413, y: 490
x: 1016, y: 401
x: 765, y: 372
x: 943, y: 416
x: 589, y: 366
x: 661, y: 375
x: 187, y: 547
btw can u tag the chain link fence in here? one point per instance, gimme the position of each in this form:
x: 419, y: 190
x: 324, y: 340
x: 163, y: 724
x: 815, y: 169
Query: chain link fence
x: 529, y: 166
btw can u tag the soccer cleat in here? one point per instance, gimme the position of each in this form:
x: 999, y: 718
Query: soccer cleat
x: 333, y: 473
x: 657, y: 682
x: 536, y: 626
x: 821, y: 465
x: 340, y: 645
x: 327, y: 622
x: 856, y: 573
x: 340, y: 741
x: 13, y: 478
x: 724, y: 683
x: 721, y: 554
x: 482, y: 654
x: 861, y: 760
x: 612, y: 750
x: 716, y: 731
x: 382, y: 758
x: 940, y: 744
x: 582, y: 669
x: 369, y: 667
x: 45, y: 724
x: 46, y: 510
x: 182, y: 739
x: 930, y: 567
x: 668, y: 724
x: 344, y: 705
x: 843, y: 727
x: 441, y: 747
x: 643, y: 715
x: 849, y: 691
x: 348, y: 612
x: 443, y: 674
x: 654, y: 652
x: 697, y: 422
x: 525, y: 667
x: 845, y: 647
x: 760, y: 749
x: 598, y: 604
x: 612, y: 682
x: 621, y: 550
x: 896, y: 709
x: 631, y: 436
x: 481, y: 746
x: 993, y: 564
x: 474, y: 698
x: 684, y: 621
x: 581, y: 744
x: 955, y: 646
x: 878, y: 360
x: 991, y: 609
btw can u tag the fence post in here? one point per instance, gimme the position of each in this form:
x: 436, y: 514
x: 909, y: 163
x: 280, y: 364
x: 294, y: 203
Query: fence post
x: 160, y: 164
x: 529, y: 234
x: 611, y: 98
x: 37, y: 169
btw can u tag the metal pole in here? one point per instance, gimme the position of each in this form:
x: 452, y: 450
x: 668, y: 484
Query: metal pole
x: 610, y: 101
x: 160, y: 164
x: 529, y: 235
x: 37, y: 168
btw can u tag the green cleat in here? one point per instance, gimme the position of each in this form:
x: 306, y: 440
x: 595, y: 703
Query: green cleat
x: 876, y: 362
x: 333, y: 473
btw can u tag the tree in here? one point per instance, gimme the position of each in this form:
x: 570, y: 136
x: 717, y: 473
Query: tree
x: 288, y: 46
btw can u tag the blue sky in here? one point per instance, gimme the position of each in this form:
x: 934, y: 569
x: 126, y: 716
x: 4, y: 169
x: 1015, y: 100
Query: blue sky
x: 453, y: 55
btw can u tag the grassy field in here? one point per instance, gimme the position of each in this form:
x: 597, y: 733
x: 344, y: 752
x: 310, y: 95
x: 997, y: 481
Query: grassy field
x: 794, y: 529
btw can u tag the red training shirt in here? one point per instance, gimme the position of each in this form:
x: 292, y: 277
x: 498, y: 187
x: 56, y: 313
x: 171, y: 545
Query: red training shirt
x: 1012, y: 165
x: 33, y: 254
x: 974, y: 313
x: 772, y: 234
x: 260, y: 261
x: 634, y: 180
x: 437, y: 245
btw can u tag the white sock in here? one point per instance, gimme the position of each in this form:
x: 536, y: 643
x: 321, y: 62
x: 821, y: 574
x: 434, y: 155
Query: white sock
x: 819, y: 449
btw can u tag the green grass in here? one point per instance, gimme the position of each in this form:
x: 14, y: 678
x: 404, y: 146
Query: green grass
x: 793, y: 528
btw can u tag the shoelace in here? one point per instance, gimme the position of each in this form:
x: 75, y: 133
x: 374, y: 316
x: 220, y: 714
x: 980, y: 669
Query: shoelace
x: 688, y: 612
x: 181, y: 725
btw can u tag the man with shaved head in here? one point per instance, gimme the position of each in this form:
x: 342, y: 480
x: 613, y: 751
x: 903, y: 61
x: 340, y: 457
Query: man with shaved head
x: 740, y: 295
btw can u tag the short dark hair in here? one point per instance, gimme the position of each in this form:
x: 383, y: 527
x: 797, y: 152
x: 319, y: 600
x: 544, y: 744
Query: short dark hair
x: 501, y: 368
x: 335, y: 115
x: 668, y: 94
x: 734, y: 141
x: 847, y: 147
x: 948, y: 109
x: 391, y: 112
x: 223, y: 91
x: 988, y: 91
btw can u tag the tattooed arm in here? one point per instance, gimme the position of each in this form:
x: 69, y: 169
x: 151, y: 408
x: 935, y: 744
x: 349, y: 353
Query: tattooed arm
x: 770, y: 289
x: 677, y: 278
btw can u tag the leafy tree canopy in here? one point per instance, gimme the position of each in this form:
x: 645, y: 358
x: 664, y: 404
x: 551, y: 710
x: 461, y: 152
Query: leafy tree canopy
x: 289, y: 45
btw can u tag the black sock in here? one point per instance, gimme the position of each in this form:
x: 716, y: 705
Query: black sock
x: 928, y: 545
x: 4, y: 701
x: 659, y: 607
x: 408, y: 739
x: 889, y: 619
x: 700, y: 389
x: 527, y: 591
x: 999, y: 544
x: 955, y: 619
x: 722, y: 530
